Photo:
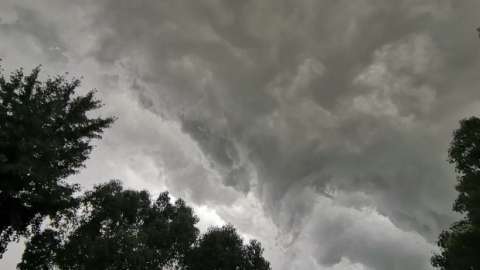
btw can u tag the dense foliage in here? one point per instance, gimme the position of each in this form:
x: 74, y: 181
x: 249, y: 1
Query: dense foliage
x: 460, y: 245
x: 223, y: 249
x: 115, y: 229
x: 123, y: 229
x: 45, y: 136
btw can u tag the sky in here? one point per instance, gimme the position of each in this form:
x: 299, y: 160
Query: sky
x: 320, y: 128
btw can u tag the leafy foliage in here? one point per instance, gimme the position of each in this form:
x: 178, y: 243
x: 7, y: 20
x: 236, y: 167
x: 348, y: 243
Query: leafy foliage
x: 223, y: 249
x: 115, y: 229
x: 460, y: 245
x: 45, y: 136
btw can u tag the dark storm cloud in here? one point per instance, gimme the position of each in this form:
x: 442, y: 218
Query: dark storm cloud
x: 296, y: 100
x: 347, y: 233
x: 365, y: 94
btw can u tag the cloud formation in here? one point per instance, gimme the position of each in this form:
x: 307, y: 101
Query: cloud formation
x: 318, y: 127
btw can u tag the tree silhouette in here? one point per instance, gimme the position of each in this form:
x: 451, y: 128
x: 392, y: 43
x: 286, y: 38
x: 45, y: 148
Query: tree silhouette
x: 460, y: 245
x: 45, y: 136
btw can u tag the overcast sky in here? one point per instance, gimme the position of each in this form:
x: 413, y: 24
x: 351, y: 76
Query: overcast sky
x: 318, y: 127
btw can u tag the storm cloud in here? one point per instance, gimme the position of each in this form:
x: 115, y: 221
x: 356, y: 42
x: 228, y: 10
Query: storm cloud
x: 318, y: 127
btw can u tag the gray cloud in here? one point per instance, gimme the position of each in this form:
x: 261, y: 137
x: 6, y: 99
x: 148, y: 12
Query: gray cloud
x: 344, y: 232
x: 309, y: 107
x: 352, y: 91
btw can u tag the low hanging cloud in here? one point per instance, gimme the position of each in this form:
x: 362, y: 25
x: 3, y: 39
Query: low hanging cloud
x: 318, y: 127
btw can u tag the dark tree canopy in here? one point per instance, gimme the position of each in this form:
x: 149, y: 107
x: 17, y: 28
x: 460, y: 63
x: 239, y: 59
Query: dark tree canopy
x: 123, y: 229
x: 223, y: 249
x: 460, y: 245
x: 115, y: 229
x: 45, y: 136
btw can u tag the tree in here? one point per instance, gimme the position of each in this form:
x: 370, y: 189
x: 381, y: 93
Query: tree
x: 45, y: 136
x: 223, y: 249
x: 460, y: 245
x: 115, y: 229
